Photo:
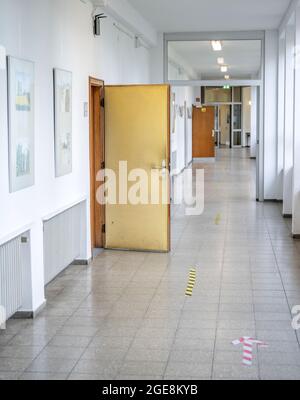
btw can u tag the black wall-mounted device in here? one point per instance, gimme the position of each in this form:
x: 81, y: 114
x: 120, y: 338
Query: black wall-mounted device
x: 97, y: 23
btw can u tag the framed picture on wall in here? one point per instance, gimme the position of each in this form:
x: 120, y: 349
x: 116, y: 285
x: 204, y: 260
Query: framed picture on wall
x: 20, y: 80
x: 63, y: 122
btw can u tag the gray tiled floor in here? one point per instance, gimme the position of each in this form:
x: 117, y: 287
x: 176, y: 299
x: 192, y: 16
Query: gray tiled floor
x: 126, y: 316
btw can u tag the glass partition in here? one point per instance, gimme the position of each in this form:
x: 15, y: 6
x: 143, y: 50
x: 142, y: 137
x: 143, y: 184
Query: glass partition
x: 214, y: 60
x: 237, y: 94
x: 237, y: 125
x: 237, y: 116
x: 217, y: 95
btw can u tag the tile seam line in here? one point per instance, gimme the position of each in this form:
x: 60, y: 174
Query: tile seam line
x: 146, y: 310
x: 180, y: 316
x: 92, y: 337
x: 220, y: 290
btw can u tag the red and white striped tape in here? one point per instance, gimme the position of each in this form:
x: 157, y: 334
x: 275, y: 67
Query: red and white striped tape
x: 248, y: 343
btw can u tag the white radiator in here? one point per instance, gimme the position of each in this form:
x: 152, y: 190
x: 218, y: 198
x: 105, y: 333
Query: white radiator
x: 62, y: 241
x: 11, y: 276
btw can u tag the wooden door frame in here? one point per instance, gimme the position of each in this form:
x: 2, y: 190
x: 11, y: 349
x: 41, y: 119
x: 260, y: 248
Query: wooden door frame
x: 97, y: 161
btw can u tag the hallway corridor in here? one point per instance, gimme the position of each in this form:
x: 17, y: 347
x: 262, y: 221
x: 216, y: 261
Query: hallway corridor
x: 126, y: 316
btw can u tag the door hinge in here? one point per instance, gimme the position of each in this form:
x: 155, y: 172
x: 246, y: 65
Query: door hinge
x: 103, y: 228
x: 102, y: 102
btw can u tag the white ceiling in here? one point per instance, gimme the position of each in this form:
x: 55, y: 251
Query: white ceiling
x: 243, y: 58
x: 212, y: 15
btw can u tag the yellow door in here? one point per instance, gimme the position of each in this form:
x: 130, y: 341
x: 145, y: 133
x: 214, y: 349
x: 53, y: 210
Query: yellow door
x: 137, y: 131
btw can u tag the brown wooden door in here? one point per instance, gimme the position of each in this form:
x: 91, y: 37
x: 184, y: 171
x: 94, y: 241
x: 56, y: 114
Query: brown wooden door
x: 203, y: 132
x: 97, y: 159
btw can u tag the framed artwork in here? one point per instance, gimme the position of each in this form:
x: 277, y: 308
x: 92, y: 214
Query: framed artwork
x: 63, y: 122
x: 20, y: 80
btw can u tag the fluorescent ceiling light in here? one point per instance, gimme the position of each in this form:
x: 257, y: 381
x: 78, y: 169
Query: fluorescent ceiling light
x: 221, y: 60
x: 216, y: 45
x: 227, y: 77
x: 224, y: 68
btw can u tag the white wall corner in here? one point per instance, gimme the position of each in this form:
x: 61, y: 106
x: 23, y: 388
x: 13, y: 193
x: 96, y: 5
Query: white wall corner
x: 290, y: 11
x: 125, y: 14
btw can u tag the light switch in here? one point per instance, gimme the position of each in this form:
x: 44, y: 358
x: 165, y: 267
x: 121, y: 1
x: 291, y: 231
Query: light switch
x: 85, y: 109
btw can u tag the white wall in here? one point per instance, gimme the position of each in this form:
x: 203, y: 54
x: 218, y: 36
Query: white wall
x: 127, y: 15
x: 288, y: 148
x: 270, y: 120
x: 296, y: 169
x: 117, y: 60
x: 280, y: 116
x: 57, y: 33
x: 253, y: 122
x: 157, y: 61
x: 181, y: 140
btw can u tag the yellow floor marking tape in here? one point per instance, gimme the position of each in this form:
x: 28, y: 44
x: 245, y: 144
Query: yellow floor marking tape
x: 191, y: 282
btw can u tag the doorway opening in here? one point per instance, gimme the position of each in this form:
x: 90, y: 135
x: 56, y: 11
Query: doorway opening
x: 229, y: 112
x: 223, y: 126
x: 97, y: 161
x: 192, y: 60
x: 231, y: 119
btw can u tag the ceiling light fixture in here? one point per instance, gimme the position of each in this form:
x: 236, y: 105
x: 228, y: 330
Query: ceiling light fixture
x: 220, y: 60
x: 227, y: 77
x: 216, y: 45
x: 224, y: 68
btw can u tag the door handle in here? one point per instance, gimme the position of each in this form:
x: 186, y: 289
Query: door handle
x: 163, y: 166
x: 213, y: 133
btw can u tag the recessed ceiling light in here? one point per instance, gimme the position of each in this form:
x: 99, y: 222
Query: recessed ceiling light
x: 216, y: 45
x: 224, y: 68
x: 227, y: 77
x: 221, y: 60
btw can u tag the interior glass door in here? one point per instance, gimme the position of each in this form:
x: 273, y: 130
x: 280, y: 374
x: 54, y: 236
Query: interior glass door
x: 237, y: 125
x: 217, y: 126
